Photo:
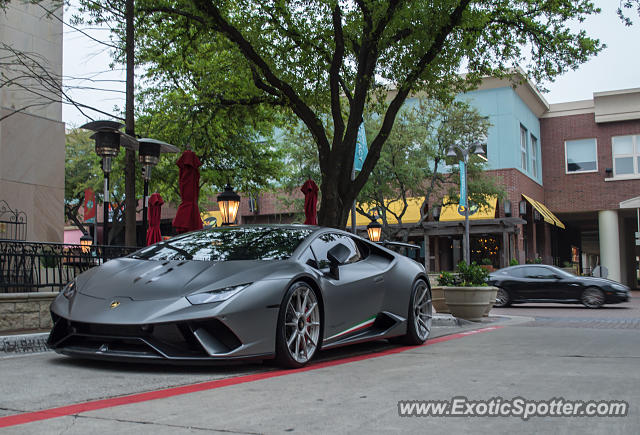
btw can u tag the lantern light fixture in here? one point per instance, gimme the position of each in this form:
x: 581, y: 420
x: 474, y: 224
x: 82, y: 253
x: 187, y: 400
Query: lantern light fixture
x: 229, y: 203
x: 86, y: 241
x: 374, y: 231
x: 523, y: 207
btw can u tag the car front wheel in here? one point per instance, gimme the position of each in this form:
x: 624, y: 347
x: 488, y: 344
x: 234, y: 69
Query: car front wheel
x: 592, y: 297
x: 298, y: 331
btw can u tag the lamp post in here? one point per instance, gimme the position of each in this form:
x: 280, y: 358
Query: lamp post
x: 108, y: 138
x: 229, y: 202
x: 374, y: 231
x: 148, y: 156
x: 465, y: 151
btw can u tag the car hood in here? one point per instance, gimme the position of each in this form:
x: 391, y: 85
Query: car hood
x: 151, y: 280
x: 599, y: 281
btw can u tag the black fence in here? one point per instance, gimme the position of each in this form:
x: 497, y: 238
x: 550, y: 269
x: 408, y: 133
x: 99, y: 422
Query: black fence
x: 34, y: 266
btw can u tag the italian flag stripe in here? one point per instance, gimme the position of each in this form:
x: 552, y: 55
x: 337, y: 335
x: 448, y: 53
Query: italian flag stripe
x: 357, y: 327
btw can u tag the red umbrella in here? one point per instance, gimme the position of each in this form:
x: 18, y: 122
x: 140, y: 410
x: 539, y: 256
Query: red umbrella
x: 188, y: 215
x: 153, y: 233
x: 310, y: 190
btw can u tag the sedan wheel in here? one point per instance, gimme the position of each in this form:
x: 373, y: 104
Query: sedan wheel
x: 298, y: 326
x: 502, y: 299
x: 592, y: 298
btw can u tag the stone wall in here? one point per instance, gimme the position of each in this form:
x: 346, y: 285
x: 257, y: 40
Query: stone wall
x: 25, y: 311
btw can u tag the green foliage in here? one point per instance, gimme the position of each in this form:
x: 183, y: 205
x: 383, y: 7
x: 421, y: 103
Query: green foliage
x: 447, y: 279
x: 486, y: 261
x: 513, y: 262
x: 318, y: 58
x: 472, y: 275
x: 413, y: 161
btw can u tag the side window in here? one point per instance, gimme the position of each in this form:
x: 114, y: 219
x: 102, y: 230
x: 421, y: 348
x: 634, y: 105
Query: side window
x: 544, y: 273
x: 321, y: 245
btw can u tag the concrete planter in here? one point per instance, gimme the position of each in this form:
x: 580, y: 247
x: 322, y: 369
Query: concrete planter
x: 469, y: 303
x: 492, y: 301
x: 438, y: 301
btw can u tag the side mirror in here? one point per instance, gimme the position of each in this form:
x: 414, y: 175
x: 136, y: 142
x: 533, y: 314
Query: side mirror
x: 337, y: 256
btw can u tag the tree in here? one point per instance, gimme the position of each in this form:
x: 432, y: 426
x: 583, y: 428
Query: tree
x: 337, y: 57
x: 413, y: 162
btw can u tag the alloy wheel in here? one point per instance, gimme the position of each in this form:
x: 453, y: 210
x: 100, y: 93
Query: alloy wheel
x: 422, y: 310
x: 302, y: 324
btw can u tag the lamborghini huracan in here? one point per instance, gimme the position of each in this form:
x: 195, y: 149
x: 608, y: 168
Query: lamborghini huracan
x: 244, y: 292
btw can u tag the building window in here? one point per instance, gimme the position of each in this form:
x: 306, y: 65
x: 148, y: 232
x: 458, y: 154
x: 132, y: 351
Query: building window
x: 534, y: 156
x: 626, y: 155
x: 581, y: 155
x: 524, y: 158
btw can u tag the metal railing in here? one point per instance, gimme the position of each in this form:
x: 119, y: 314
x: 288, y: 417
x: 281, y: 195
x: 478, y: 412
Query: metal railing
x: 35, y: 266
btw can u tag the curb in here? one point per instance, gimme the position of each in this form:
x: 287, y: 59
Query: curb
x: 24, y: 343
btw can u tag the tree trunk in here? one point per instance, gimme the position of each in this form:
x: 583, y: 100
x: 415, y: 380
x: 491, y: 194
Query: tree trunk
x: 130, y: 167
x: 334, y: 208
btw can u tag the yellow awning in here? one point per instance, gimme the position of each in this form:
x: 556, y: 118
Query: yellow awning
x: 450, y: 211
x: 411, y: 215
x: 211, y: 214
x: 545, y: 212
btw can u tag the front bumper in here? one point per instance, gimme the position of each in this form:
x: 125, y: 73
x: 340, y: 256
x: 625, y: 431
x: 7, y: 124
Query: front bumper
x: 198, y: 341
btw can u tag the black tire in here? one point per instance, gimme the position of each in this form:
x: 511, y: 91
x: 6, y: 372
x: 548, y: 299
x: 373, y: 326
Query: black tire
x: 415, y: 334
x: 285, y: 356
x: 502, y: 299
x: 592, y: 297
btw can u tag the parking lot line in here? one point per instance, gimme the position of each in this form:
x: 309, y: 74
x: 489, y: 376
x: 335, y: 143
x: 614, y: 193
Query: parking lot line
x: 78, y: 408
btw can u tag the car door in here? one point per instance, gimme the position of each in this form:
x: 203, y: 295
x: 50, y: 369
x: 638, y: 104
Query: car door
x: 356, y: 296
x: 544, y: 283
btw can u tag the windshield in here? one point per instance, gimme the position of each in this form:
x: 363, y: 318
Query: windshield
x: 226, y: 244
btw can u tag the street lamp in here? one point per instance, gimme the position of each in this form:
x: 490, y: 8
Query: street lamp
x: 108, y: 138
x: 465, y: 151
x: 374, y: 230
x: 85, y: 242
x: 148, y: 156
x: 228, y: 202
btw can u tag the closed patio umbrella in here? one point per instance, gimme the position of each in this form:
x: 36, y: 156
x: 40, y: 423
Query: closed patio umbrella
x: 188, y: 215
x: 155, y: 206
x: 310, y: 190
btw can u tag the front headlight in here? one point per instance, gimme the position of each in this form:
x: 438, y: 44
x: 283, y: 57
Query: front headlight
x: 619, y: 287
x: 69, y: 290
x: 218, y: 295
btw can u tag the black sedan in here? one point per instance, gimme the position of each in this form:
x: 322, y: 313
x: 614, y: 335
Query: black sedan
x: 542, y: 283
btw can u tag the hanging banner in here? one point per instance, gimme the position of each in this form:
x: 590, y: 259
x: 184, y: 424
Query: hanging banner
x: 89, y: 205
x: 463, y: 188
x: 361, y: 149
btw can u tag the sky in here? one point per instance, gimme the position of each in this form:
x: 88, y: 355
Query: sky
x: 617, y: 67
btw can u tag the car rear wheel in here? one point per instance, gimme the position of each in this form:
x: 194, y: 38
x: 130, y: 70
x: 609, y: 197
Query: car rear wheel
x: 299, y: 326
x: 420, y: 315
x: 592, y: 297
x: 502, y: 298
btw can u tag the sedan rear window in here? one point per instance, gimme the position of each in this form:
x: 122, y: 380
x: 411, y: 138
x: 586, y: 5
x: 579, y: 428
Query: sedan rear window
x: 226, y: 244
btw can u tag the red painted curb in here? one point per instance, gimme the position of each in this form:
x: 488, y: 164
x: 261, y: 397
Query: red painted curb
x: 45, y: 414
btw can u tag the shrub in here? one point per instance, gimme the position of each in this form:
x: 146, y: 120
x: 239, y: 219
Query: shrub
x: 486, y: 262
x: 472, y: 275
x: 447, y: 279
x: 513, y: 262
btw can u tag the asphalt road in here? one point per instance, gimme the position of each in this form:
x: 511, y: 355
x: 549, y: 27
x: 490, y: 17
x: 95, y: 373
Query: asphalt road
x: 531, y: 358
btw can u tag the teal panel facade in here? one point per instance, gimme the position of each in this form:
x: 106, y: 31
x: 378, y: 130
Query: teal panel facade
x: 508, y: 113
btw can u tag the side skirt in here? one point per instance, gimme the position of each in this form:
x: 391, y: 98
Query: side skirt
x: 384, y: 325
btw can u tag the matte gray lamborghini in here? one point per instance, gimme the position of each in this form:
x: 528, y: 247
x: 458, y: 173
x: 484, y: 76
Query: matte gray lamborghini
x: 247, y: 292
